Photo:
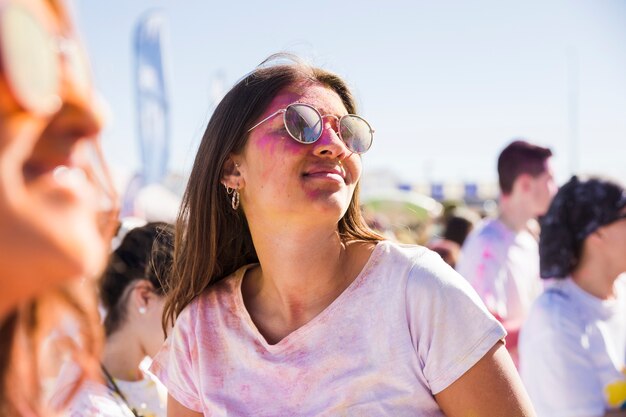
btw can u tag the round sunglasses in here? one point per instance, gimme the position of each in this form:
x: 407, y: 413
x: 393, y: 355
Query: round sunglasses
x: 34, y: 56
x: 305, y: 124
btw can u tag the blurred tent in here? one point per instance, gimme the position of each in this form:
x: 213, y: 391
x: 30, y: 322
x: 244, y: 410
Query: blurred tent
x: 402, y: 206
x: 156, y: 203
x: 403, y: 215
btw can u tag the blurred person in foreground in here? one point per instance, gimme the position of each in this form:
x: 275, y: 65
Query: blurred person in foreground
x: 501, y: 257
x: 573, y: 345
x: 131, y: 291
x: 287, y: 304
x: 57, y: 207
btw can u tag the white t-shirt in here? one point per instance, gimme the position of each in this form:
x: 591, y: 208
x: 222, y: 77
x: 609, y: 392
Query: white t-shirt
x: 147, y: 396
x: 503, y: 267
x: 406, y: 328
x: 573, y: 351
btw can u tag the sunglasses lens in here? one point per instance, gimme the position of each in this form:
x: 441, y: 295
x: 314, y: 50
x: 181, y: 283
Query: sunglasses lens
x: 356, y: 133
x: 30, y: 61
x: 303, y: 123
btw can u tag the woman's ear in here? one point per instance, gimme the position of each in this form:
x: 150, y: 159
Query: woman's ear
x: 231, y: 175
x: 142, y: 295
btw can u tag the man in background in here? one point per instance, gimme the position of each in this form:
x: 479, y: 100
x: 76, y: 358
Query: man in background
x: 501, y: 257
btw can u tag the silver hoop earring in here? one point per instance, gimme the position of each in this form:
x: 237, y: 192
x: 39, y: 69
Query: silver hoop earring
x: 229, y: 190
x: 234, y: 202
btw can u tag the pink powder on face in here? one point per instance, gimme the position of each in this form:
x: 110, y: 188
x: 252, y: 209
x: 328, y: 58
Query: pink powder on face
x: 317, y: 95
x: 271, y: 143
x: 313, y: 194
x: 272, y: 149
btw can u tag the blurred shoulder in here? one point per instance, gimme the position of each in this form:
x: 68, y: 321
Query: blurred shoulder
x: 556, y: 309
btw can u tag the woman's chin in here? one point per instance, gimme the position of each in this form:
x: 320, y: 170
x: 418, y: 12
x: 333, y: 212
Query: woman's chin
x: 72, y: 244
x: 332, y: 207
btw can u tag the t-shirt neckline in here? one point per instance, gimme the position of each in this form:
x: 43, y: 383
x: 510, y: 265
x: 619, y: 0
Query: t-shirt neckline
x: 604, y: 308
x: 292, y: 338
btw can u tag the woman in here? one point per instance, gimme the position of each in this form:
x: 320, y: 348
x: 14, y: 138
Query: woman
x: 131, y: 292
x: 57, y: 208
x: 573, y: 346
x: 286, y: 303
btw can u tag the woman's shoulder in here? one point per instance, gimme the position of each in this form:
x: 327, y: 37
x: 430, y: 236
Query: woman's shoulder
x: 422, y: 268
x: 423, y: 262
x: 400, y: 253
x: 220, y: 297
x: 222, y: 290
x: 434, y: 287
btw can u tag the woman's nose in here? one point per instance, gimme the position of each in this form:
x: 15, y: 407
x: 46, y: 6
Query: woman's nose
x: 330, y: 144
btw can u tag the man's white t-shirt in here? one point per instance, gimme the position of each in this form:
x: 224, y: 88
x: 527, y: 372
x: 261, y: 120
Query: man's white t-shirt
x: 405, y: 329
x: 503, y: 267
x: 573, y: 351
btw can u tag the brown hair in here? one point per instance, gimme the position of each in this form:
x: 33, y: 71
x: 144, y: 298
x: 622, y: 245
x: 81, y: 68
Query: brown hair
x: 213, y: 240
x: 144, y: 254
x: 520, y: 157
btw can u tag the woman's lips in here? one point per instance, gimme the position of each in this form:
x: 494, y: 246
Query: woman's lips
x: 330, y: 175
x: 326, y: 172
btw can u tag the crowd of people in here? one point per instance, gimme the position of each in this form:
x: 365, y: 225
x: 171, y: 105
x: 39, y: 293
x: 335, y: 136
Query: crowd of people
x: 271, y: 295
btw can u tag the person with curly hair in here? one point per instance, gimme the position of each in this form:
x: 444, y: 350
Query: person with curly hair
x: 573, y: 345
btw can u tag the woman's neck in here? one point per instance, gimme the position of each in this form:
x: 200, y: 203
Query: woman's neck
x: 302, y: 266
x: 123, y: 354
x: 595, y: 279
x: 300, y: 274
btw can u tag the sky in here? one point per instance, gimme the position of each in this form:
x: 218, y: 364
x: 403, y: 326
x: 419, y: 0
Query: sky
x: 446, y: 84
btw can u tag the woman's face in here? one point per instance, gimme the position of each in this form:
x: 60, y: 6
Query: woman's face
x: 56, y: 203
x: 614, y: 236
x: 288, y: 181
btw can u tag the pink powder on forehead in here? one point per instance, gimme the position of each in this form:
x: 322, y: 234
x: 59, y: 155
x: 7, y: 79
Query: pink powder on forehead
x: 312, y: 93
x: 324, y: 99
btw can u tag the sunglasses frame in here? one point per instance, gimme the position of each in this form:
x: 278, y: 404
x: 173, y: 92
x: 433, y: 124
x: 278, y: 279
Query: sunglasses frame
x: 59, y: 45
x: 321, y: 118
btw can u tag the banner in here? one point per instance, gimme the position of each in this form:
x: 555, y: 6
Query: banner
x: 152, y: 98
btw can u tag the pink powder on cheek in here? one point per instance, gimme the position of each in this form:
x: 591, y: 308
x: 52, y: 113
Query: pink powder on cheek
x: 313, y: 194
x: 267, y: 155
x: 272, y: 144
x: 272, y: 153
x: 266, y: 144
